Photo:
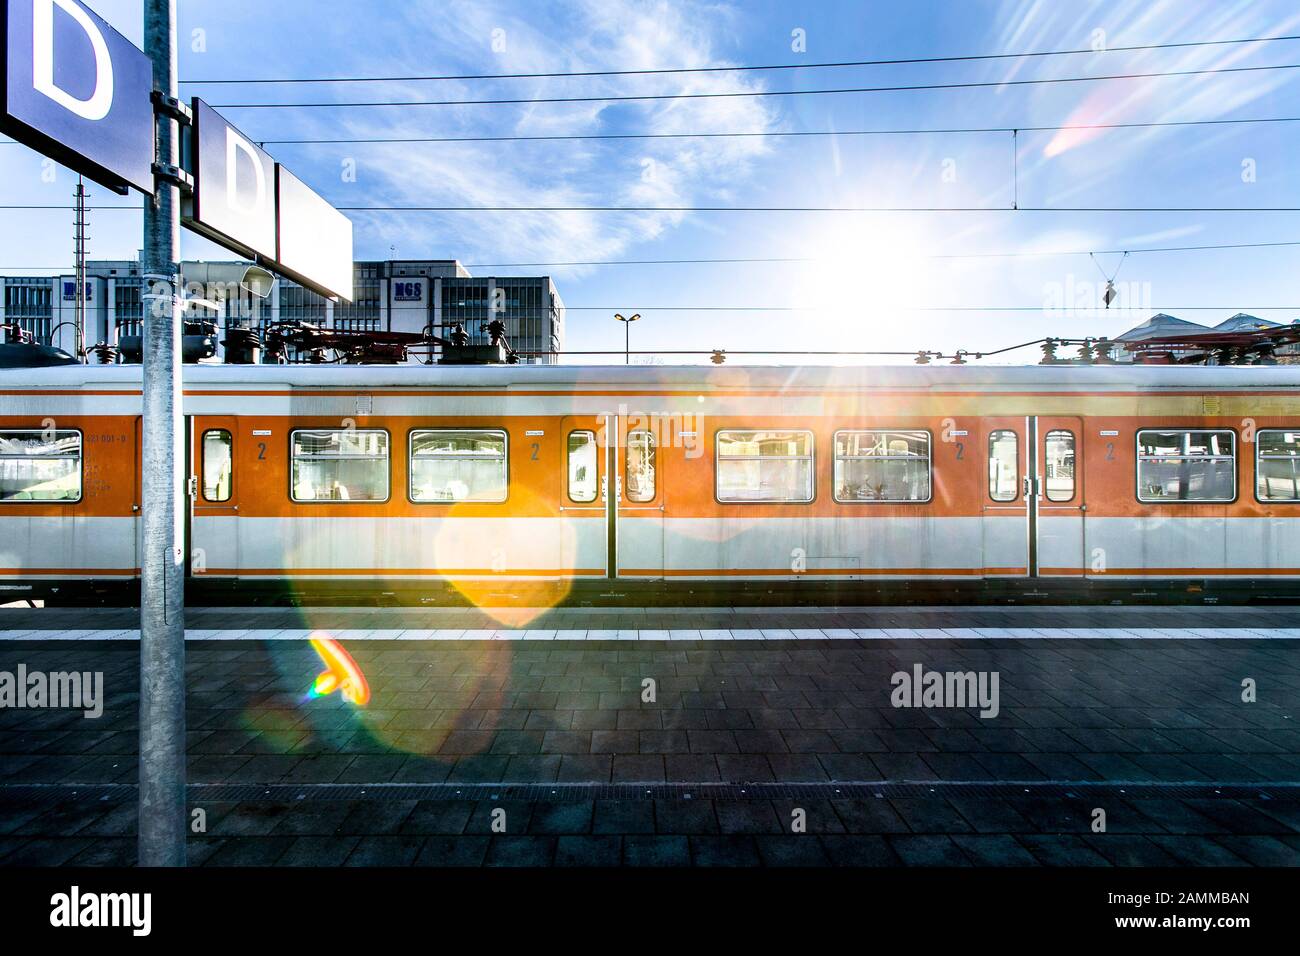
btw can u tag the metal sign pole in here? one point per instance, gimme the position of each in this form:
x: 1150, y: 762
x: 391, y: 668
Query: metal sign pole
x: 162, y: 600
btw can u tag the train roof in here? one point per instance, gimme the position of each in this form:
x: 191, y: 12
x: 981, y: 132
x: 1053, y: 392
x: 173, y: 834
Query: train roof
x: 961, y: 377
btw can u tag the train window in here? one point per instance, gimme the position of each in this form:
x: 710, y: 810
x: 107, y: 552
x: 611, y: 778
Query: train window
x: 1059, y: 459
x: 765, y: 466
x: 458, y: 464
x: 640, y: 466
x: 216, y: 465
x: 1004, y: 465
x: 882, y: 466
x: 340, y: 464
x: 582, y: 466
x: 1186, y: 466
x: 1277, y: 465
x: 40, y: 466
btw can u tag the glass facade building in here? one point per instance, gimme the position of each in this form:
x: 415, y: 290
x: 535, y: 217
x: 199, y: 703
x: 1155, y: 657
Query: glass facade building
x: 391, y: 295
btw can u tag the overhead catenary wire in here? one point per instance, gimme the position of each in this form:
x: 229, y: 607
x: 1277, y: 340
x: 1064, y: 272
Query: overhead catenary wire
x: 959, y: 353
x: 725, y: 351
x: 770, y: 260
x: 567, y: 137
x: 761, y: 134
x: 920, y: 131
x: 956, y: 255
x: 788, y: 209
x: 924, y: 356
x: 892, y: 307
x: 734, y: 94
x: 816, y: 209
x: 835, y: 64
x: 1112, y: 276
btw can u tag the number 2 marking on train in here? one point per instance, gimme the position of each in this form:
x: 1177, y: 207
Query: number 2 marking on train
x: 536, y: 448
x: 1110, y: 451
x: 961, y: 450
x: 261, y: 451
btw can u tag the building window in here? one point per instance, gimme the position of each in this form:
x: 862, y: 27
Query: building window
x: 1186, y: 466
x: 765, y: 466
x: 30, y: 307
x: 1004, y: 465
x: 640, y: 466
x: 40, y: 466
x: 216, y: 465
x: 128, y: 307
x: 1277, y: 465
x: 340, y: 464
x: 362, y: 314
x: 582, y: 466
x: 882, y: 466
x: 1059, y: 458
x: 458, y: 464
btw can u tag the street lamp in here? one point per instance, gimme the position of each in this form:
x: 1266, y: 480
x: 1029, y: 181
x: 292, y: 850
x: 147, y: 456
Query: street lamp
x: 627, y: 336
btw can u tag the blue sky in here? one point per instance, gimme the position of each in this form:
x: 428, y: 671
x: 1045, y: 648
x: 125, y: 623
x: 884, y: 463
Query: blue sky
x: 870, y: 269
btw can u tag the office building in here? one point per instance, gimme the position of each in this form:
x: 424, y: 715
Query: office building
x: 394, y: 295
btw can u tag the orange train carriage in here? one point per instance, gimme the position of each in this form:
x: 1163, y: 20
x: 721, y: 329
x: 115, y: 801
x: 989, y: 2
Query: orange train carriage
x: 417, y: 483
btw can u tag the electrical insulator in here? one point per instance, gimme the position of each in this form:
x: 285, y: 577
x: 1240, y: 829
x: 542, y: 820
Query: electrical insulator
x: 718, y: 357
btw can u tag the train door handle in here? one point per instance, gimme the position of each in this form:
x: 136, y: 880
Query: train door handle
x: 604, y: 488
x: 192, y: 487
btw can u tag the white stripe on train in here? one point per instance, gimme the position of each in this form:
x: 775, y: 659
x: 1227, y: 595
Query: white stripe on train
x: 843, y: 548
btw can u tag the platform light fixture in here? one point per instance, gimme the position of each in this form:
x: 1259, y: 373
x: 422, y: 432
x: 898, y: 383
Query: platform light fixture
x: 627, y: 335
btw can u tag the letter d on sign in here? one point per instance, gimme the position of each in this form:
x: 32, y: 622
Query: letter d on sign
x: 101, y: 101
x: 235, y: 144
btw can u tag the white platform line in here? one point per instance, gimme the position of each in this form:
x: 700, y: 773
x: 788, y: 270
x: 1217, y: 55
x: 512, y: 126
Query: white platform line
x: 687, y: 634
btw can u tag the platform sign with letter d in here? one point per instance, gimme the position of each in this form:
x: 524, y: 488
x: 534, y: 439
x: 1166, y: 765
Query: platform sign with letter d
x: 233, y: 201
x: 76, y: 90
x: 249, y: 203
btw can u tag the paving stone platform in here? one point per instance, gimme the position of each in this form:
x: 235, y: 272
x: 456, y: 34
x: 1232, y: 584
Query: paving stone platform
x: 1153, y: 731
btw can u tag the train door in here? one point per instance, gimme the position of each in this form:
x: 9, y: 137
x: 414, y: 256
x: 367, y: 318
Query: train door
x: 213, y: 493
x: 640, y: 493
x: 1009, y: 467
x: 587, y: 442
x: 1060, y: 496
x: 137, y: 495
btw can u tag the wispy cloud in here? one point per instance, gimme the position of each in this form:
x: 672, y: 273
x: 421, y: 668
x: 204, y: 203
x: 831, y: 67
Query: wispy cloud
x: 1207, y: 96
x: 593, y: 35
